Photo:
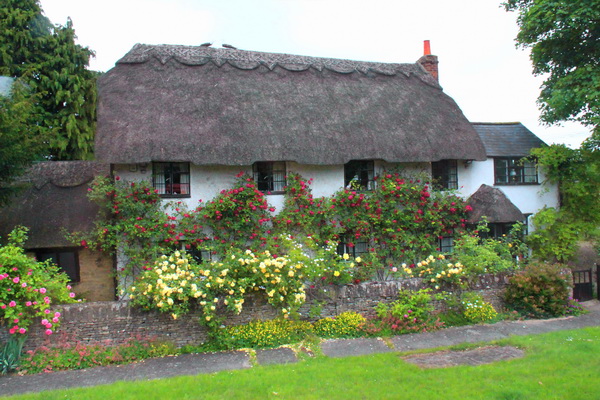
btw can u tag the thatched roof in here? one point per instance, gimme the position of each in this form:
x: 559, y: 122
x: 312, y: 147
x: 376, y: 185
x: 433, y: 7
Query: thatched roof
x: 507, y: 139
x: 55, y: 199
x: 215, y: 106
x: 492, y: 203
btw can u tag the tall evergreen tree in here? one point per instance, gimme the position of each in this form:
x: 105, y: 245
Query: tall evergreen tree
x: 48, y: 60
x: 22, y: 139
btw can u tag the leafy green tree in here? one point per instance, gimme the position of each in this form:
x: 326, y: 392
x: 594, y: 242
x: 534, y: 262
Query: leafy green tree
x: 564, y: 37
x: 47, y: 58
x: 577, y: 172
x: 21, y: 137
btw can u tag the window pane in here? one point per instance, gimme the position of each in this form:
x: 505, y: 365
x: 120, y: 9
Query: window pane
x: 66, y: 260
x: 501, y: 170
x: 270, y: 176
x: 171, y: 178
x: 359, y: 175
x: 515, y: 171
x: 445, y: 173
x: 68, y: 263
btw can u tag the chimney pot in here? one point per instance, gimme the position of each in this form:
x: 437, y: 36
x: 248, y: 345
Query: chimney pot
x: 429, y: 61
x: 426, y: 48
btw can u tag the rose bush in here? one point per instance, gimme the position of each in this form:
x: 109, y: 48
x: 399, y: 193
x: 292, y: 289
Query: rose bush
x: 30, y: 290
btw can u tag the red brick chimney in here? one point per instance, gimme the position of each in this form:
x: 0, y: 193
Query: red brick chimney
x: 429, y: 61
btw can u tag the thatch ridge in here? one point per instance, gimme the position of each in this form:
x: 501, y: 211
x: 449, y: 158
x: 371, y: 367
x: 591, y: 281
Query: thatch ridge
x: 248, y: 60
x: 233, y: 107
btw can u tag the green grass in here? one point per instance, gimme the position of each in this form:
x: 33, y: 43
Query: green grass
x: 559, y: 365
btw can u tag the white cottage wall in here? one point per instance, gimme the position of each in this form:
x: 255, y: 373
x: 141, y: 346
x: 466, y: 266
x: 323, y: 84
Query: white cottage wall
x: 208, y: 181
x: 528, y: 198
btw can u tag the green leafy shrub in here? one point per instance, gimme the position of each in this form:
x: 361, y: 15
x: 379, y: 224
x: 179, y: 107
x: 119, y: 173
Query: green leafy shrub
x: 29, y: 289
x: 488, y: 255
x: 11, y: 354
x: 412, y: 312
x: 409, y: 305
x: 540, y: 290
x: 70, y: 355
x: 347, y: 324
x: 476, y: 309
x: 555, y: 236
x: 262, y: 334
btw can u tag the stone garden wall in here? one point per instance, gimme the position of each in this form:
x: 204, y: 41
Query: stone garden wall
x: 110, y: 322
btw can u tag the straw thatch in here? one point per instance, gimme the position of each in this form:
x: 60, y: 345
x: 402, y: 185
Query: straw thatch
x: 232, y: 107
x: 492, y: 203
x: 54, y: 200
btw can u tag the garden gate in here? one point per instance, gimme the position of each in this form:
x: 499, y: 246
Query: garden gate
x: 583, y: 288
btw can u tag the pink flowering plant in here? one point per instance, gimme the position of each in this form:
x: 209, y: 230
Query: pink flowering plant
x: 30, y: 290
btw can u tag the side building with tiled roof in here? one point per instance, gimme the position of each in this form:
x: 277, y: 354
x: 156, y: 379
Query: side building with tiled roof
x: 505, y: 184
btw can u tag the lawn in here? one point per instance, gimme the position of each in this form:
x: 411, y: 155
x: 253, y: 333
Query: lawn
x: 559, y: 365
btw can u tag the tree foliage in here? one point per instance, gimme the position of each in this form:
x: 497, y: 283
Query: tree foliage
x: 48, y: 60
x: 563, y: 36
x: 21, y: 138
x: 577, y: 172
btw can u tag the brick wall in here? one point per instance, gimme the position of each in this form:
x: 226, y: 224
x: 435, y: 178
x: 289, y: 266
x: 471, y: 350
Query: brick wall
x: 110, y: 322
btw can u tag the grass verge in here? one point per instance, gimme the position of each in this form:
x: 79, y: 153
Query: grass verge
x: 558, y: 365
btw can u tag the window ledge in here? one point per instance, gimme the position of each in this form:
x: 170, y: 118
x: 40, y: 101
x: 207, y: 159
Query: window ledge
x: 175, y: 196
x: 518, y: 184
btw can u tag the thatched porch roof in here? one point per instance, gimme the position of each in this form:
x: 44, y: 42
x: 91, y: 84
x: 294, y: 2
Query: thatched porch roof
x: 215, y: 106
x: 492, y: 203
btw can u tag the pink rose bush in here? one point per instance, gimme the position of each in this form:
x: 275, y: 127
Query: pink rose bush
x: 29, y: 289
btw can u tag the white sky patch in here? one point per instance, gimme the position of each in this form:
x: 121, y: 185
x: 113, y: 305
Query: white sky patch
x: 479, y: 66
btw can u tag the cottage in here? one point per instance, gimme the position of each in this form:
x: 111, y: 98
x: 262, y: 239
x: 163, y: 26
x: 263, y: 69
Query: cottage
x: 190, y: 118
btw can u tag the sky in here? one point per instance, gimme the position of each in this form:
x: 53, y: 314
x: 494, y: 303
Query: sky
x: 479, y: 65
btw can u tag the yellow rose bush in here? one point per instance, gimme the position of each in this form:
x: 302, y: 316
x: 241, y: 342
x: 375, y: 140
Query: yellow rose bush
x: 176, y: 284
x: 437, y: 271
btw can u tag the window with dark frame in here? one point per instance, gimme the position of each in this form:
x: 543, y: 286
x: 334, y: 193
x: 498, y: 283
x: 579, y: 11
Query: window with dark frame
x: 66, y: 259
x: 359, y: 175
x: 171, y: 179
x: 514, y: 171
x: 270, y: 176
x: 199, y: 255
x: 353, y: 248
x: 446, y: 244
x: 445, y: 174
